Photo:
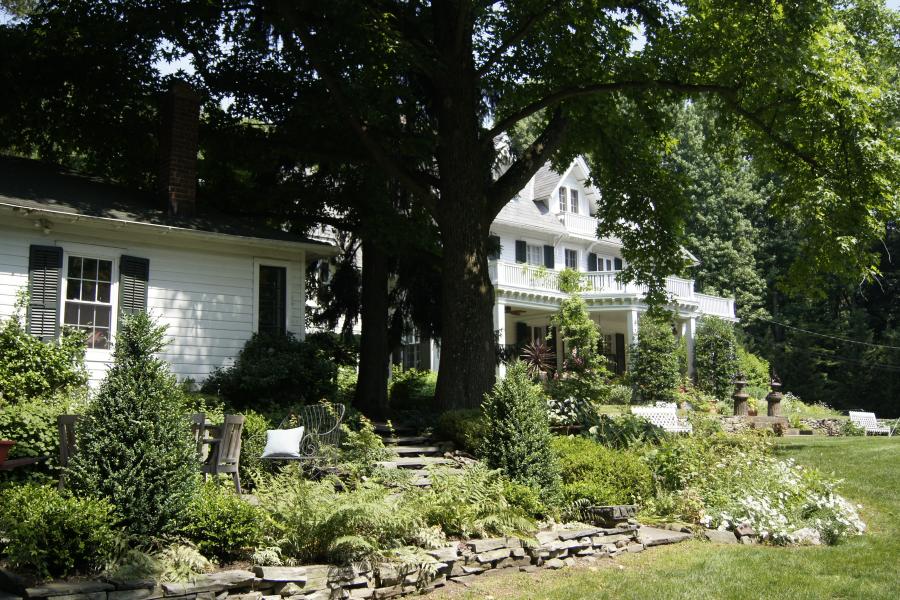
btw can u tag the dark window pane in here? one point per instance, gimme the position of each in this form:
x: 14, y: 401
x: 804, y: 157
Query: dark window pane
x: 74, y: 266
x: 86, y: 316
x: 90, y: 268
x: 73, y: 289
x: 89, y: 290
x: 272, y: 299
x: 105, y: 272
x: 103, y: 292
x: 102, y: 315
x: 71, y: 315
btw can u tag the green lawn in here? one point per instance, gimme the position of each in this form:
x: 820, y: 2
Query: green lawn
x: 865, y: 567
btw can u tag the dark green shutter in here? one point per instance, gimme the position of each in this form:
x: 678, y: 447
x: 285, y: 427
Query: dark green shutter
x: 134, y: 275
x: 549, y: 257
x: 617, y: 262
x: 521, y: 252
x: 44, y: 285
x: 620, y: 353
x: 522, y: 333
x: 494, y: 247
x: 592, y: 262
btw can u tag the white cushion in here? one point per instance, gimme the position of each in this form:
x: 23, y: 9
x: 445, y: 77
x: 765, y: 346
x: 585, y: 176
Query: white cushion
x: 283, y: 443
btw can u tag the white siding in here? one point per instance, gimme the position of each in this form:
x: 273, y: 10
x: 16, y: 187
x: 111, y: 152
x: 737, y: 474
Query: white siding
x: 204, y: 296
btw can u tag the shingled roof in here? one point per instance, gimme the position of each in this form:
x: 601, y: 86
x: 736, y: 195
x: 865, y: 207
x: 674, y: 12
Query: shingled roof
x: 34, y: 185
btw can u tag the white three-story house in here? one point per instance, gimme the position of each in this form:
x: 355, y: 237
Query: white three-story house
x: 549, y: 226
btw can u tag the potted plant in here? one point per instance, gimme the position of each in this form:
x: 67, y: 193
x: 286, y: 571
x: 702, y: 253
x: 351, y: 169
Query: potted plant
x: 5, y: 445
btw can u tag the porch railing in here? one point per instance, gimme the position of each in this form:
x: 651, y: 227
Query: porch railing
x: 579, y: 224
x: 603, y: 284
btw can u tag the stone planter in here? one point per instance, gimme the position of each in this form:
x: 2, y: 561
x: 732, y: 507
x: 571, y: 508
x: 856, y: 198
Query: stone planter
x: 5, y: 445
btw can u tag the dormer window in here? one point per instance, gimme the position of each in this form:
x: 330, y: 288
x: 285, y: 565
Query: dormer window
x: 568, y: 200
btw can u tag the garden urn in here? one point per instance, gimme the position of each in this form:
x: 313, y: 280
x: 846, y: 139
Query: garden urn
x: 774, y: 398
x: 5, y: 445
x: 741, y: 405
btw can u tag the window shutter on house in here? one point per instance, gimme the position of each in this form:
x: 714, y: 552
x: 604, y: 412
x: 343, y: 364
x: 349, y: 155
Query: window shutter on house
x: 44, y: 290
x: 549, y: 257
x: 617, y: 262
x: 522, y: 331
x: 521, y: 251
x: 134, y: 275
x: 494, y: 247
x: 592, y: 262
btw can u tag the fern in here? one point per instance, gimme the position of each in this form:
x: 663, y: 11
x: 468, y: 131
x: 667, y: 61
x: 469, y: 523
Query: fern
x: 470, y: 503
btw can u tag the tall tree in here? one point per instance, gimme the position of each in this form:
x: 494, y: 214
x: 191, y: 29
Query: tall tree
x: 422, y: 90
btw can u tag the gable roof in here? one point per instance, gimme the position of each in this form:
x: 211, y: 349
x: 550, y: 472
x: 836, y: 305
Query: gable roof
x: 37, y: 186
x: 532, y: 214
x: 546, y: 180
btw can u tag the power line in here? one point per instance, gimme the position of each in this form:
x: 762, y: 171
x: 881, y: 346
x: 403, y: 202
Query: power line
x: 856, y: 361
x: 831, y: 337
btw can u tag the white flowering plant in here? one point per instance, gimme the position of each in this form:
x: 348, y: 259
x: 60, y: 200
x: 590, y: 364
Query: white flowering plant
x: 725, y: 481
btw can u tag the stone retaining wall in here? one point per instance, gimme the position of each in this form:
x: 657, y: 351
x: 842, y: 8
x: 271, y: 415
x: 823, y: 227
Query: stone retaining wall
x: 459, y: 562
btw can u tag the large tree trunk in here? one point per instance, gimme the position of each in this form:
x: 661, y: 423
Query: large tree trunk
x: 468, y: 352
x: 468, y: 346
x: 371, y: 387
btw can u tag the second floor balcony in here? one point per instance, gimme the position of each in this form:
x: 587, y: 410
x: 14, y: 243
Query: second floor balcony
x: 604, y: 285
x: 581, y: 225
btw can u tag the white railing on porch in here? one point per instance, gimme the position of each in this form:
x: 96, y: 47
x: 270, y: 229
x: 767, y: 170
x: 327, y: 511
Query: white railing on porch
x: 603, y: 284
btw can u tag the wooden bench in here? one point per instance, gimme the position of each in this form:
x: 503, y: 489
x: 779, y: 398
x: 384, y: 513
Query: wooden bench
x: 868, y: 422
x: 665, y: 417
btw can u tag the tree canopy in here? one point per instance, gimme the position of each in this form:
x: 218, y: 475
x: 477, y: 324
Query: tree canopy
x: 426, y: 92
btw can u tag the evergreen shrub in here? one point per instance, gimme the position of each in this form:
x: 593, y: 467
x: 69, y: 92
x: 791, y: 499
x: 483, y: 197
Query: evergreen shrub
x: 654, y: 371
x: 599, y: 475
x: 411, y: 389
x: 31, y: 369
x: 134, y: 445
x: 715, y: 357
x: 222, y: 525
x: 276, y: 372
x: 466, y: 428
x: 32, y: 425
x: 54, y: 535
x: 754, y: 368
x: 518, y: 435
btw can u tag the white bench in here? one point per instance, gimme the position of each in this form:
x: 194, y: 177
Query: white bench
x: 869, y: 423
x: 664, y: 416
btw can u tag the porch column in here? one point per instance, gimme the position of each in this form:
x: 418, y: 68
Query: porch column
x: 688, y: 332
x: 500, y: 328
x: 631, y: 333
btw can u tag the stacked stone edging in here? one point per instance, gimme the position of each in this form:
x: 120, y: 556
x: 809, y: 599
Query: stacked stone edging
x: 459, y: 562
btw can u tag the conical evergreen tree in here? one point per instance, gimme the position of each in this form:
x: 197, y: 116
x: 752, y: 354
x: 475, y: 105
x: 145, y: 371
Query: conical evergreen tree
x: 134, y: 446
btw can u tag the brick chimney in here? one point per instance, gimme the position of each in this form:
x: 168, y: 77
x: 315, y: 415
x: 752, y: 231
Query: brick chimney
x: 180, y: 112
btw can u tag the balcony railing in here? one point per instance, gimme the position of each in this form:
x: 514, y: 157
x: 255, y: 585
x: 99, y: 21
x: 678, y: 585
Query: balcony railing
x: 603, y: 284
x: 579, y: 224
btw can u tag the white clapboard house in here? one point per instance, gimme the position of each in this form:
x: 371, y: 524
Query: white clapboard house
x: 88, y: 252
x: 549, y: 226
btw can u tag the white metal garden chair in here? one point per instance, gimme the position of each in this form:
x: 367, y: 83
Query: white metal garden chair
x: 665, y: 416
x: 868, y: 422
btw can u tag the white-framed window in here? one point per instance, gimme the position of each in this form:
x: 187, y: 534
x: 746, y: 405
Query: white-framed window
x: 534, y: 254
x: 608, y: 264
x: 88, y: 298
x: 410, y: 351
x: 568, y: 200
x: 571, y: 259
x: 271, y: 296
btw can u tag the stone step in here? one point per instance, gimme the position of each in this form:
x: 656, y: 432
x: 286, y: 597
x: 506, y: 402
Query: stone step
x: 415, y: 462
x: 404, y: 440
x: 654, y: 536
x: 417, y: 450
